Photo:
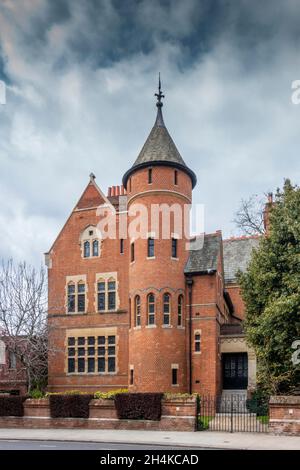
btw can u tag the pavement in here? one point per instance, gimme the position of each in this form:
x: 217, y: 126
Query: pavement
x: 189, y: 440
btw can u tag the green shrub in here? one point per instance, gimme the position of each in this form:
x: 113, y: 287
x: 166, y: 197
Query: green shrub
x: 109, y: 395
x: 36, y: 394
x: 259, y: 403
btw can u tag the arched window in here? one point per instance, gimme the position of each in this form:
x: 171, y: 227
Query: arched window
x: 90, y: 242
x: 151, y: 309
x: 95, y: 248
x: 137, y: 310
x: 86, y: 249
x: 180, y: 310
x: 166, y: 309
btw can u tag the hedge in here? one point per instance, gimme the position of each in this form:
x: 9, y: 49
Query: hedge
x: 69, y: 406
x: 12, y: 406
x: 139, y: 405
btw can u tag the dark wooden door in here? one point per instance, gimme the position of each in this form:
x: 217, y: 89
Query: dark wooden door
x: 235, y: 371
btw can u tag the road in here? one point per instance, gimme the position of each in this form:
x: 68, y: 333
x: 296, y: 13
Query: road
x: 66, y: 445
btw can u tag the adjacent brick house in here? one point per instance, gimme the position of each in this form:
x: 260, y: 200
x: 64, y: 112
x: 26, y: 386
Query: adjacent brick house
x: 12, y: 374
x: 146, y: 312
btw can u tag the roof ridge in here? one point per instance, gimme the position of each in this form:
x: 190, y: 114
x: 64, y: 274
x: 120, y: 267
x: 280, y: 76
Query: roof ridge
x: 242, y: 237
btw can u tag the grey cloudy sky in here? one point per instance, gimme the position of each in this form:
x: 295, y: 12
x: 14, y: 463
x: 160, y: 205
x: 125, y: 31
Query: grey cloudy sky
x: 80, y: 81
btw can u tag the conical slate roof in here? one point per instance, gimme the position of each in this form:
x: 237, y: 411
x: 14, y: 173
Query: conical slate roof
x: 159, y: 149
x: 159, y: 145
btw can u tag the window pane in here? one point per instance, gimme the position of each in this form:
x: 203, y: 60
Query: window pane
x: 91, y: 364
x: 111, y: 301
x: 132, y: 251
x: 91, y: 351
x: 81, y: 302
x: 81, y: 288
x: 111, y: 350
x: 111, y: 364
x: 71, y: 341
x: 101, y: 364
x: 166, y: 307
x: 101, y: 339
x: 197, y: 337
x: 101, y: 286
x: 151, y: 319
x: 81, y: 364
x: 71, y: 365
x: 166, y: 319
x: 71, y: 303
x: 111, y: 285
x: 111, y: 340
x: 197, y: 346
x: 150, y: 247
x: 174, y: 248
x: 71, y: 289
x: 101, y: 302
x: 151, y: 308
x: 81, y: 340
x: 71, y: 352
x: 86, y: 249
x: 174, y: 376
x: 121, y: 246
x: 95, y: 248
x: 101, y: 351
x: 80, y: 351
x: 91, y: 340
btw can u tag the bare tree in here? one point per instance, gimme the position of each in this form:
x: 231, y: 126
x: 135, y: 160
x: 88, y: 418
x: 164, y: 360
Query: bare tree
x: 250, y: 216
x: 23, y: 318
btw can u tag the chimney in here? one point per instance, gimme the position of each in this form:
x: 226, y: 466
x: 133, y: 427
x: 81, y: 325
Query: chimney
x: 266, y: 213
x: 109, y: 192
x: 117, y: 190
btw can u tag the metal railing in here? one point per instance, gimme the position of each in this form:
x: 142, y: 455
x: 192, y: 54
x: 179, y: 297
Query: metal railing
x: 233, y: 413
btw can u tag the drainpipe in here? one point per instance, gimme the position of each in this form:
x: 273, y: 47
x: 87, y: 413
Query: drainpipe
x: 189, y: 283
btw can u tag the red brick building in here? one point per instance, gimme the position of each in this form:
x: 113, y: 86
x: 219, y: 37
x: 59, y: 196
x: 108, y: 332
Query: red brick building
x: 145, y: 312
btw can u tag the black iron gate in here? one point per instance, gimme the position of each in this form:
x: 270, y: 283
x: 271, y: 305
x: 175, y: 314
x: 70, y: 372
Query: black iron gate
x: 233, y: 413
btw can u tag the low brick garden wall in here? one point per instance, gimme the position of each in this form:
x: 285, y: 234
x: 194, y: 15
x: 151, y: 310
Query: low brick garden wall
x: 178, y: 414
x: 285, y: 415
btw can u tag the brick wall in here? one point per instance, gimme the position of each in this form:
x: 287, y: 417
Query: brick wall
x: 177, y: 415
x: 285, y: 415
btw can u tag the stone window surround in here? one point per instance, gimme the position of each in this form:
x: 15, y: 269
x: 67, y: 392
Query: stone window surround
x: 107, y: 277
x: 85, y: 237
x: 79, y: 278
x: 86, y: 332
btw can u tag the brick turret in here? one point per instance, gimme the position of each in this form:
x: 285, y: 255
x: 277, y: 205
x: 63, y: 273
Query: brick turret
x: 157, y: 336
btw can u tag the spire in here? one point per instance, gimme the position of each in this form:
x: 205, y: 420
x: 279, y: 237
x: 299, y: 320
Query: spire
x: 159, y: 117
x: 159, y: 95
x: 159, y: 148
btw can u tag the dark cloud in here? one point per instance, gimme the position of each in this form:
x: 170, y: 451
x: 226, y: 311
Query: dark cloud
x: 81, y: 78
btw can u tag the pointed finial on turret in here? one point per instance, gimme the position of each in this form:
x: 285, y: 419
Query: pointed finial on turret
x: 92, y: 177
x: 159, y: 95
